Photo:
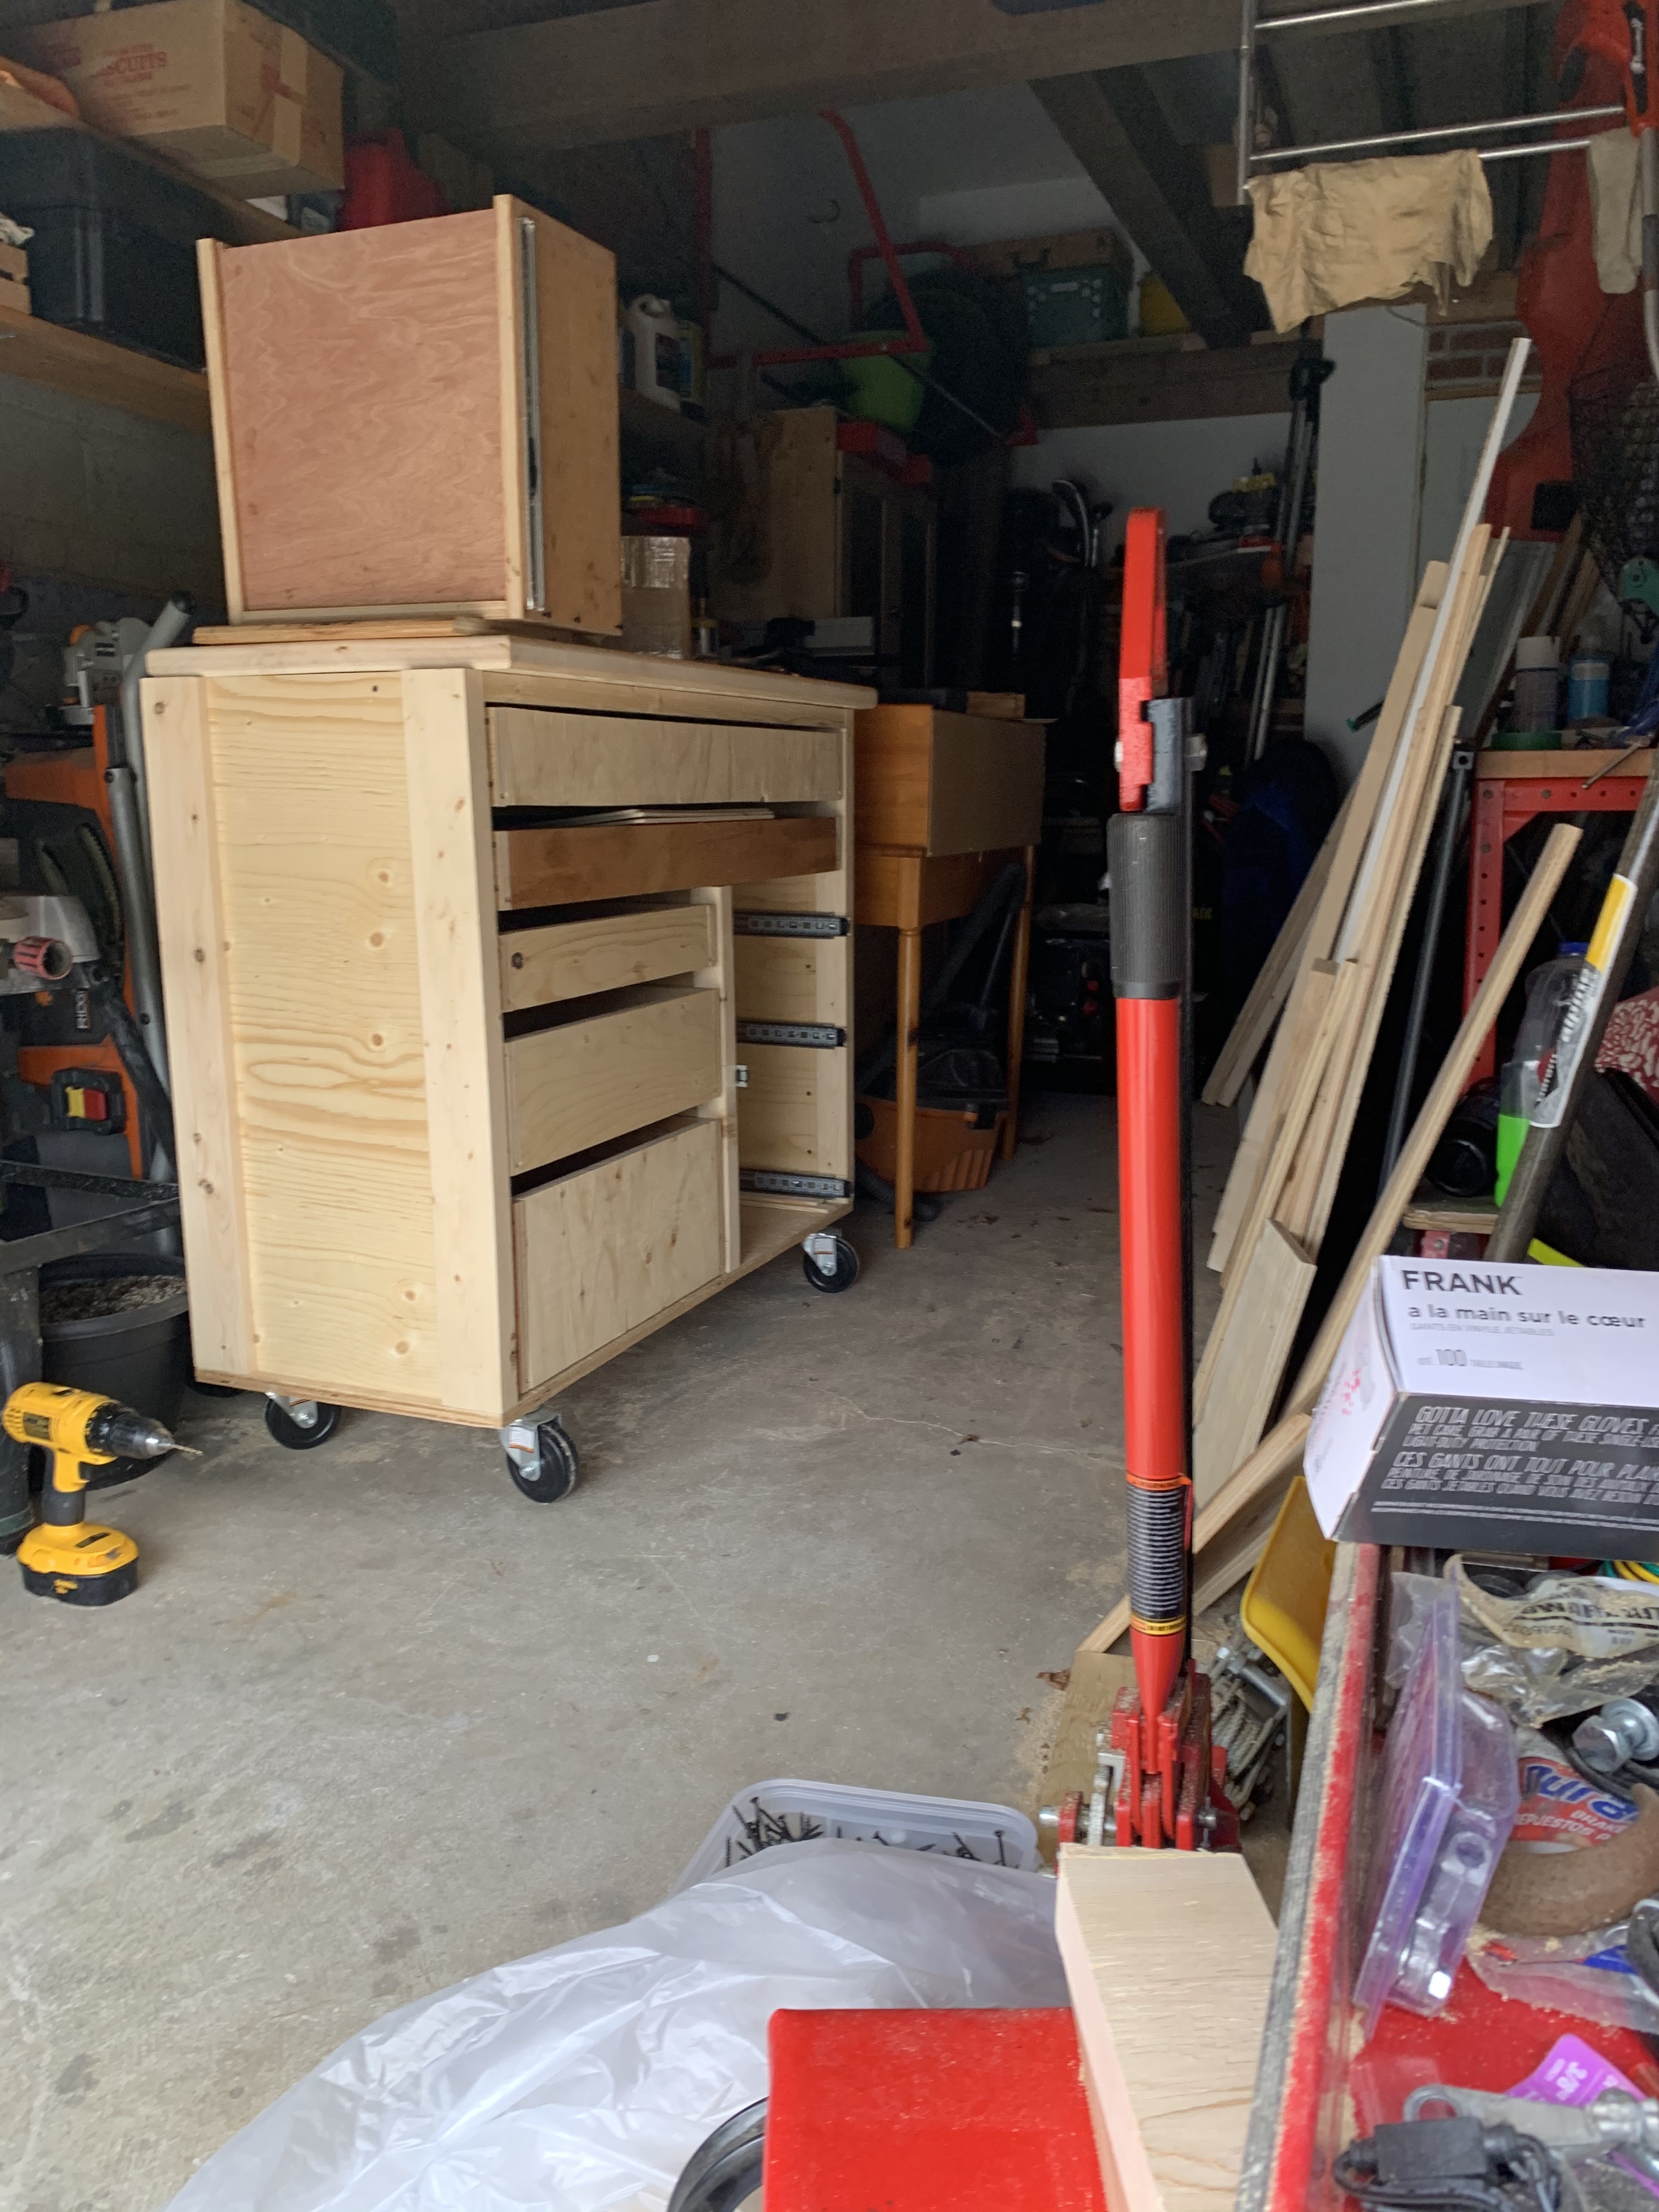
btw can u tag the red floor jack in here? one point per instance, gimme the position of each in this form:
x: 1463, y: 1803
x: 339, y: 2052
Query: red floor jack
x: 1171, y: 1787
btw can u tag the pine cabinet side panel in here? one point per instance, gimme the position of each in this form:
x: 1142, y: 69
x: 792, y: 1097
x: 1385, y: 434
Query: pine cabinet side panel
x: 461, y: 1027
x: 194, y: 953
x: 576, y: 348
x: 325, y: 1019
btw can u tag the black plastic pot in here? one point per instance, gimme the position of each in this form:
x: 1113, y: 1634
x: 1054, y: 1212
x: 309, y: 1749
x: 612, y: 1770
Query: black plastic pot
x: 140, y: 1359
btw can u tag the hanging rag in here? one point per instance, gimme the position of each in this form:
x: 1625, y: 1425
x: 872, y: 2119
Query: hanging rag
x: 1336, y: 233
x: 1615, y: 193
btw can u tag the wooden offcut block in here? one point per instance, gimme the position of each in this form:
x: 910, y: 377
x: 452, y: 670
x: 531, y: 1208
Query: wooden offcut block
x: 1167, y: 1955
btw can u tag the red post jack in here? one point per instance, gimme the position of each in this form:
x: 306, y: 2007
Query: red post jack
x: 1171, y: 1790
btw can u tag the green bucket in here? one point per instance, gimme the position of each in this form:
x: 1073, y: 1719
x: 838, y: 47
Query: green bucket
x: 880, y: 389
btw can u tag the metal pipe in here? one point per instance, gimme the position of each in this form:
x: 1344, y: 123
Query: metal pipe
x: 1451, y: 822
x: 1617, y: 928
x: 1544, y: 146
x: 1440, y: 130
x: 1378, y: 12
x: 1246, y: 94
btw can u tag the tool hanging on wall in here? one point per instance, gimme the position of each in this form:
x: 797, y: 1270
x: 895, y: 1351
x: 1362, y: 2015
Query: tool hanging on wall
x: 1171, y: 1790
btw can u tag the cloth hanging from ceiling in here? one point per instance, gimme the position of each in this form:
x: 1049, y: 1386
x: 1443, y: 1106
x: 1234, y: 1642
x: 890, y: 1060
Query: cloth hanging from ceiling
x: 1615, y: 208
x: 1338, y: 232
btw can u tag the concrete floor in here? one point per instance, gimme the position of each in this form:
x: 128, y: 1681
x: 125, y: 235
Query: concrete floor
x: 373, y: 1721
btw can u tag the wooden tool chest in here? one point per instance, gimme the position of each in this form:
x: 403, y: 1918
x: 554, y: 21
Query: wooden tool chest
x: 474, y: 1089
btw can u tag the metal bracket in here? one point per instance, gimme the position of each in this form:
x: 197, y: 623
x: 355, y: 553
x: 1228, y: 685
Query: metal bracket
x: 304, y: 1412
x: 824, y: 1036
x: 789, y: 925
x: 535, y: 574
x: 770, y: 1183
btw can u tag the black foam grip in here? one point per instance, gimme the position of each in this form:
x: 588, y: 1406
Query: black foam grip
x: 1158, y: 1552
x: 1148, y: 928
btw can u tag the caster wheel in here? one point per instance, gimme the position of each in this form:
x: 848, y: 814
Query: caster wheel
x: 295, y: 1433
x: 724, y: 2170
x: 841, y: 1274
x: 551, y: 1472
x: 215, y: 1390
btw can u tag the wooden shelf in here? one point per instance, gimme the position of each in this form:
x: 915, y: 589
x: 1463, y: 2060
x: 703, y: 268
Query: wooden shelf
x: 92, y: 368
x: 676, y: 439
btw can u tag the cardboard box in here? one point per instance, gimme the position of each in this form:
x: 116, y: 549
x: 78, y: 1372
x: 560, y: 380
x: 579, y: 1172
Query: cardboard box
x: 1502, y: 1408
x: 212, y: 83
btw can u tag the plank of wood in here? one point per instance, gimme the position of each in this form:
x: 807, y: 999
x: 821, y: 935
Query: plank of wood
x: 578, y: 457
x: 391, y: 492
x: 790, y: 1115
x: 1453, y: 1217
x: 1185, y: 384
x: 584, y: 1082
x: 795, y: 454
x: 448, y: 783
x: 1265, y: 1472
x: 323, y: 984
x: 88, y: 367
x: 1169, y: 1956
x: 719, y: 974
x: 1447, y: 1089
x: 561, y: 866
x: 792, y: 979
x: 191, y: 924
x: 572, y: 959
x: 540, y: 757
x: 1274, y: 1288
x: 1272, y: 986
x: 601, y: 1252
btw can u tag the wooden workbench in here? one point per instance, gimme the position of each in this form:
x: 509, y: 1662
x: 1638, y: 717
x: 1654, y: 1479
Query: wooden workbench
x: 943, y: 802
x: 456, y: 1072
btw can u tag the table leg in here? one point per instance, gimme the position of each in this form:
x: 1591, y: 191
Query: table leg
x: 909, y: 1021
x: 1019, y: 969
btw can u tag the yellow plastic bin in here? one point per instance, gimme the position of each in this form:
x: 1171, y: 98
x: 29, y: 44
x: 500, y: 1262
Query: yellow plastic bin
x: 1282, y: 1608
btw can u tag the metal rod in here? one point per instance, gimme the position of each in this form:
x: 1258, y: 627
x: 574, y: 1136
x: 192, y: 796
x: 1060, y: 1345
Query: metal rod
x: 1246, y: 94
x: 1451, y: 822
x: 1354, y: 11
x: 1544, y: 146
x: 1440, y: 130
x: 1647, y: 155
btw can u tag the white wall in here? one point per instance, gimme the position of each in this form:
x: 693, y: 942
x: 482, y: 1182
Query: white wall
x: 1455, y: 432
x: 1179, y: 466
x: 1365, y: 520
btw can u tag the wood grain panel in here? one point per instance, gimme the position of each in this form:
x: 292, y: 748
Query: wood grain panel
x: 569, y: 959
x: 943, y: 783
x: 626, y: 860
x: 791, y: 1114
x: 363, y: 394
x: 893, y: 773
x: 191, y: 924
x: 542, y: 759
x: 1245, y: 1378
x: 604, y: 1251
x: 1168, y: 1956
x: 585, y: 1082
x: 461, y: 1026
x: 582, y: 520
x: 324, y: 988
x: 792, y: 979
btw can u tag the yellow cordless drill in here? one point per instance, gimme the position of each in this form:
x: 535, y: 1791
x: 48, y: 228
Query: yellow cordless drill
x: 66, y: 1556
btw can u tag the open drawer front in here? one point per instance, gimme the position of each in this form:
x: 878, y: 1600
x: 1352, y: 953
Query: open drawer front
x: 603, y: 1252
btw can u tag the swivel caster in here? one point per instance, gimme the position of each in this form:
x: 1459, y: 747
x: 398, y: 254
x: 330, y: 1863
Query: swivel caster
x: 300, y: 1423
x: 541, y: 1459
x: 828, y: 1261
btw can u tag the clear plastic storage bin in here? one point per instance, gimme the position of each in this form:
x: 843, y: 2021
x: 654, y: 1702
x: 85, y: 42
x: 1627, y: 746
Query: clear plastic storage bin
x: 771, y: 1814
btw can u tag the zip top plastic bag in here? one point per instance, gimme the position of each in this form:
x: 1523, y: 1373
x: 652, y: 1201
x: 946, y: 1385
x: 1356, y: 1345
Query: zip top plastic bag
x: 581, y: 2079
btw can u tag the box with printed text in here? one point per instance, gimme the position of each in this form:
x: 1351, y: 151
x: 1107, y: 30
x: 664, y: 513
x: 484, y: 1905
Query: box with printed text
x: 1500, y: 1407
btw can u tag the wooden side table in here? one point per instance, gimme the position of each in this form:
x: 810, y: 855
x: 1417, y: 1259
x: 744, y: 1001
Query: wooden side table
x: 942, y: 804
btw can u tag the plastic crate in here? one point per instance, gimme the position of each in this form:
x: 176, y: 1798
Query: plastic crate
x: 115, y: 245
x: 956, y: 1146
x: 1075, y: 307
x: 957, y: 1828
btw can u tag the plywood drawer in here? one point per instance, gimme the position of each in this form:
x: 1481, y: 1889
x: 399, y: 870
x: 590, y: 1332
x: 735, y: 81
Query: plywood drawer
x: 792, y: 1113
x: 540, y: 757
x: 568, y: 959
x: 935, y: 782
x: 560, y: 866
x: 791, y: 979
x: 603, y: 1251
x: 585, y: 1082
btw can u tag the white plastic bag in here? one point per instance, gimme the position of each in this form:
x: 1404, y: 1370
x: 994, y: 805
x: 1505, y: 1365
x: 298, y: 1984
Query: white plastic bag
x: 581, y: 2079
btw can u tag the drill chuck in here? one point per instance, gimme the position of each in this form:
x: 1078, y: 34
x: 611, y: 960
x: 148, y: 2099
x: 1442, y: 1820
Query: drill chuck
x: 124, y: 1434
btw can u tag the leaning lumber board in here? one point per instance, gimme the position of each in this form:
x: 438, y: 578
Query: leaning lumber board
x: 1356, y: 829
x: 1244, y: 1382
x: 1447, y: 1089
x: 1168, y: 1957
x: 1269, y: 1467
x: 1271, y: 988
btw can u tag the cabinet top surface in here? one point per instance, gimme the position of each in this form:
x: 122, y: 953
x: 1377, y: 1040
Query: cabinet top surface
x: 497, y: 653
